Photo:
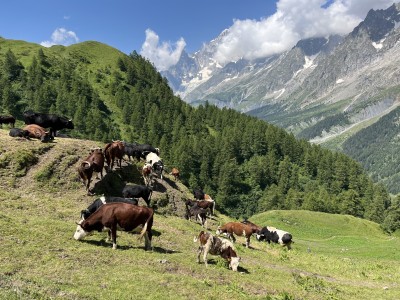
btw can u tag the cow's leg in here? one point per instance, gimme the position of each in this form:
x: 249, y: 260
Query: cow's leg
x: 232, y: 237
x: 247, y: 241
x: 199, y: 253
x: 114, y: 236
x: 147, y: 241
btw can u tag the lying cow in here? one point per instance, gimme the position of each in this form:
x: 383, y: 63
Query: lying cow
x: 216, y: 246
x: 93, y: 163
x: 123, y: 216
x: 54, y: 122
x: 7, y: 120
x: 271, y: 234
x: 18, y: 132
x: 237, y: 228
x: 103, y: 200
x: 198, y: 213
x: 138, y: 191
x: 38, y: 132
x: 210, y: 205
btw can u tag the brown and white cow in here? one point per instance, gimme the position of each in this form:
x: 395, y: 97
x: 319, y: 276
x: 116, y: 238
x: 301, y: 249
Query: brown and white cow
x: 121, y: 216
x: 238, y: 229
x: 147, y: 173
x: 256, y: 229
x: 93, y: 163
x: 175, y: 173
x: 38, y: 132
x: 113, y: 151
x: 216, y: 246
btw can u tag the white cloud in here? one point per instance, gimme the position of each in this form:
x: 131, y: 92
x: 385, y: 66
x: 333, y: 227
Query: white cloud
x: 162, y: 56
x: 293, y: 20
x: 61, y: 36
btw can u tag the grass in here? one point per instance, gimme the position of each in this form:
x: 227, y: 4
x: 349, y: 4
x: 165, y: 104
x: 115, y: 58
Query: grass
x: 334, y: 256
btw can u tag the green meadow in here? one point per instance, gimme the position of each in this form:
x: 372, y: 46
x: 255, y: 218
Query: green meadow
x: 333, y: 257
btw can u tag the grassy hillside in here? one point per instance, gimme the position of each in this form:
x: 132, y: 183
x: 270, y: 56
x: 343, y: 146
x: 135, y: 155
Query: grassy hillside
x: 334, y: 256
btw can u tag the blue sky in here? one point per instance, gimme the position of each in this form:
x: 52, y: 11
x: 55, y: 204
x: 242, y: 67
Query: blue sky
x: 161, y: 29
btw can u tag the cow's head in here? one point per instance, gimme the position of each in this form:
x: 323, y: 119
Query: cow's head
x: 80, y: 233
x: 260, y: 237
x: 69, y: 124
x: 46, y: 137
x: 234, y: 263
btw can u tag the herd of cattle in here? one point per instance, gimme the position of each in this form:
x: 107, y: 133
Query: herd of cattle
x: 123, y: 213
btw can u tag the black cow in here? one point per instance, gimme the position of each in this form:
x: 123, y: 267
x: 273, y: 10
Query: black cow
x: 130, y: 150
x: 18, y: 132
x: 198, y: 194
x: 54, y: 122
x: 7, y: 120
x: 139, y: 150
x: 103, y: 200
x: 137, y: 191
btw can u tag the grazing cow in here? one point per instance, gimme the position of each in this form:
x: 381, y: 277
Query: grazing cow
x: 255, y: 228
x: 175, y: 173
x: 210, y: 205
x: 38, y: 132
x: 112, y: 151
x: 103, y: 200
x: 145, y: 149
x: 111, y: 216
x: 216, y: 246
x: 147, y: 173
x: 54, y: 122
x: 17, y: 132
x: 271, y: 234
x: 93, y: 163
x: 155, y: 161
x: 237, y: 228
x: 139, y: 150
x: 137, y: 191
x: 198, y: 213
x: 7, y: 120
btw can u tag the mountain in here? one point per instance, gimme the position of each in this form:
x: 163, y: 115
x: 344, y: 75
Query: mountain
x: 323, y: 89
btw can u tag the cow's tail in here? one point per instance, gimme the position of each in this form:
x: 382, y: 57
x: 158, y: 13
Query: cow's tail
x: 145, y: 225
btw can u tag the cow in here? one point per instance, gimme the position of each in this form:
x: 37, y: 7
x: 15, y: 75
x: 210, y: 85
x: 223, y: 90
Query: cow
x: 271, y: 234
x: 139, y: 150
x: 7, y: 120
x: 175, y: 172
x: 198, y: 194
x: 237, y: 228
x: 255, y: 228
x: 198, y: 213
x: 38, y: 132
x: 156, y: 163
x: 93, y: 163
x: 111, y: 216
x: 52, y: 121
x: 216, y: 246
x: 145, y: 149
x: 147, y: 173
x: 112, y: 151
x: 86, y: 213
x: 210, y: 205
x: 137, y: 191
x: 130, y: 150
x: 18, y: 132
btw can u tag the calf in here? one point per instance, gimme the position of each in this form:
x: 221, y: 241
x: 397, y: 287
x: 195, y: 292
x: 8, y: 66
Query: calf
x: 17, y: 132
x: 38, y: 132
x: 113, y: 151
x: 7, y: 120
x: 103, y: 200
x: 275, y: 235
x: 147, y: 173
x: 198, y: 213
x: 216, y: 246
x: 175, y: 173
x: 93, y: 163
x: 210, y: 205
x: 123, y: 216
x: 137, y: 191
x: 237, y: 228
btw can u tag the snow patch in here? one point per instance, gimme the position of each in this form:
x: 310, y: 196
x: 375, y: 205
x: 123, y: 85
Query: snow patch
x: 281, y: 91
x: 308, y: 64
x: 378, y: 46
x: 340, y: 80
